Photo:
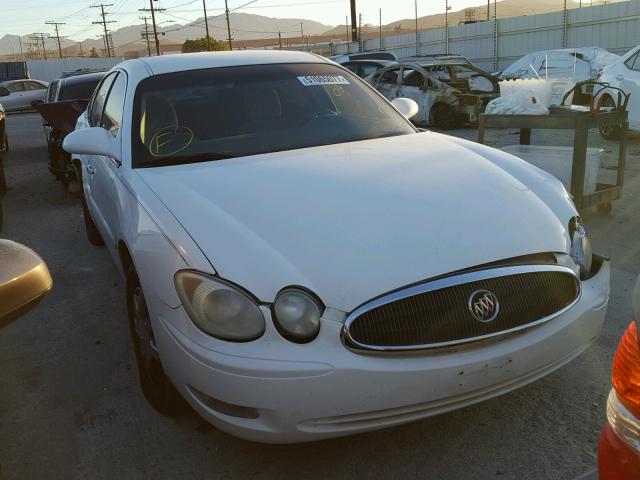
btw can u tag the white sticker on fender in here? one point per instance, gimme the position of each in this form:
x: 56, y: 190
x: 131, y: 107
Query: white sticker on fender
x: 314, y: 80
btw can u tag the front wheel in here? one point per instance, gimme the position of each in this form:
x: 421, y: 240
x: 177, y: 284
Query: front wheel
x: 609, y: 132
x: 156, y: 386
x: 442, y: 116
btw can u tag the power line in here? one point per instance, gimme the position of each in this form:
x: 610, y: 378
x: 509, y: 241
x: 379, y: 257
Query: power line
x: 55, y: 25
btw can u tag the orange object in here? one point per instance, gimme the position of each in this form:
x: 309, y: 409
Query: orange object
x: 625, y: 374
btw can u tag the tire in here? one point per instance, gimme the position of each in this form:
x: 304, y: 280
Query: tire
x: 442, y: 116
x: 93, y: 234
x: 156, y: 386
x: 611, y: 132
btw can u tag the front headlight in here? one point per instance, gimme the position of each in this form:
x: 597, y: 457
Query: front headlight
x: 580, y: 252
x: 219, y: 308
x: 296, y: 315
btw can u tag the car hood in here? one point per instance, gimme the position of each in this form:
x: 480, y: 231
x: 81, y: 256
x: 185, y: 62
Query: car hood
x: 356, y: 220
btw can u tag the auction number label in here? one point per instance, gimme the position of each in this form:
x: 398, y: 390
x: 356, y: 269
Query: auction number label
x: 315, y: 80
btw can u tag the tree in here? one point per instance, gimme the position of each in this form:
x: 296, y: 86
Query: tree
x: 200, y: 45
x: 93, y: 53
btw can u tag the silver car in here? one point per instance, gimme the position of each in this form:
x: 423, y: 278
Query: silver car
x: 18, y: 94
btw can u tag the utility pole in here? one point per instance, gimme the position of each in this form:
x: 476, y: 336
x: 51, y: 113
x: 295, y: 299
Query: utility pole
x: 302, y: 36
x: 145, y: 34
x: 446, y: 25
x: 380, y: 23
x: 21, y: 51
x: 55, y: 25
x: 153, y: 22
x: 360, y: 43
x: 354, y: 19
x: 280, y: 40
x: 104, y: 25
x: 416, y: 18
x: 39, y: 37
x: 206, y: 24
x: 346, y: 24
x: 226, y: 11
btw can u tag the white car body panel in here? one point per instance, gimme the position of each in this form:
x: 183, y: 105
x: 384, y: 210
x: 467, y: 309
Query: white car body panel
x: 350, y: 222
x: 619, y: 75
x: 415, y: 206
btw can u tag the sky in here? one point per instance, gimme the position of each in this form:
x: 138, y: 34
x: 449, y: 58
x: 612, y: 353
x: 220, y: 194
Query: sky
x: 28, y: 16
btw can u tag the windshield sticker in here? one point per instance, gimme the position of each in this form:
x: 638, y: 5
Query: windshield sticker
x: 316, y: 80
x: 170, y: 140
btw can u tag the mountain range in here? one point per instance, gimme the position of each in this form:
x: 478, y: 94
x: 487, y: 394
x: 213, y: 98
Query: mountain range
x: 250, y: 27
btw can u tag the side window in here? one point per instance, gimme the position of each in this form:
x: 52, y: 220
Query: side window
x: 633, y: 59
x: 440, y: 72
x: 412, y: 78
x: 33, y: 86
x: 114, y: 106
x: 368, y: 69
x: 352, y: 67
x: 97, y: 102
x: 390, y: 77
x: 16, y: 87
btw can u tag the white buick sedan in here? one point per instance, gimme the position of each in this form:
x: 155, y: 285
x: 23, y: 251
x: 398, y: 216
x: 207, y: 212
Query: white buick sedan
x: 302, y: 263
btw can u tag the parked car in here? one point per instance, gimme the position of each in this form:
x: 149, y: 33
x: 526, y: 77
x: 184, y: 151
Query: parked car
x: 364, y: 68
x: 619, y: 447
x: 302, y: 263
x: 69, y: 97
x: 364, y: 56
x: 18, y: 94
x: 448, y: 93
x: 24, y: 280
x: 623, y: 74
x: 578, y: 64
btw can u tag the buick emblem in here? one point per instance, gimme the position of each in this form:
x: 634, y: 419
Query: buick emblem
x: 484, y: 306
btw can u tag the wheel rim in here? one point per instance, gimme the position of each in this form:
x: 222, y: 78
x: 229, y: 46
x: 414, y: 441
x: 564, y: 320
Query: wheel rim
x: 146, y: 342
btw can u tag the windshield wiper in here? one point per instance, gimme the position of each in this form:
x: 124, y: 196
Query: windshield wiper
x: 204, y: 157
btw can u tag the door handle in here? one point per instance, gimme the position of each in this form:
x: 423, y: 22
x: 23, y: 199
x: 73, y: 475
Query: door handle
x: 91, y: 169
x: 619, y: 77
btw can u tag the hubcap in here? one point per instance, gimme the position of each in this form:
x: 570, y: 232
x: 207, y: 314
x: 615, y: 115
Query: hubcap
x: 144, y: 334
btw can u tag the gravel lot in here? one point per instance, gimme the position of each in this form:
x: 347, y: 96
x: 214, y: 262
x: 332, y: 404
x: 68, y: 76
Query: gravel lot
x: 70, y: 405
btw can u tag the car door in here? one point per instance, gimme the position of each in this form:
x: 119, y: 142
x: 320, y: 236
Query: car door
x: 16, y: 98
x: 93, y: 183
x: 387, y: 83
x: 415, y: 85
x: 33, y: 91
x: 104, y: 181
x: 628, y: 79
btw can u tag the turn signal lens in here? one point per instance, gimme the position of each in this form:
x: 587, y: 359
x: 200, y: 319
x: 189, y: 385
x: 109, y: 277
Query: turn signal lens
x: 625, y: 374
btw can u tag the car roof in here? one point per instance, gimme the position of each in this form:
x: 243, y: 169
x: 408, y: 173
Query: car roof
x: 386, y: 63
x: 83, y: 78
x: 201, y: 60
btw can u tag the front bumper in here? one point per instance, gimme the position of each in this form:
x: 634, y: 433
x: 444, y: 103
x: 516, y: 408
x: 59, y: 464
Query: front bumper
x: 322, y: 389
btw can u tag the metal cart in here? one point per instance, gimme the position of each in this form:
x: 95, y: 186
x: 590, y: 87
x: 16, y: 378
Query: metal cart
x: 580, y: 122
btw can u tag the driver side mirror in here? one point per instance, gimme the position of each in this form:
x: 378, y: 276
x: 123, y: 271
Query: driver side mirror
x: 24, y: 280
x: 4, y: 92
x: 92, y: 141
x: 406, y: 106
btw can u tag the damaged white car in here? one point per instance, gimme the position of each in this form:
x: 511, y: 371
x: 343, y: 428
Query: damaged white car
x: 449, y: 92
x: 302, y: 263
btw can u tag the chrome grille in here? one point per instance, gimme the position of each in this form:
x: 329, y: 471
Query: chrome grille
x: 439, y: 313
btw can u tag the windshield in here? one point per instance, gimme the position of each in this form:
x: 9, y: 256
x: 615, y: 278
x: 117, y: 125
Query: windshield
x: 228, y: 112
x: 79, y: 91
